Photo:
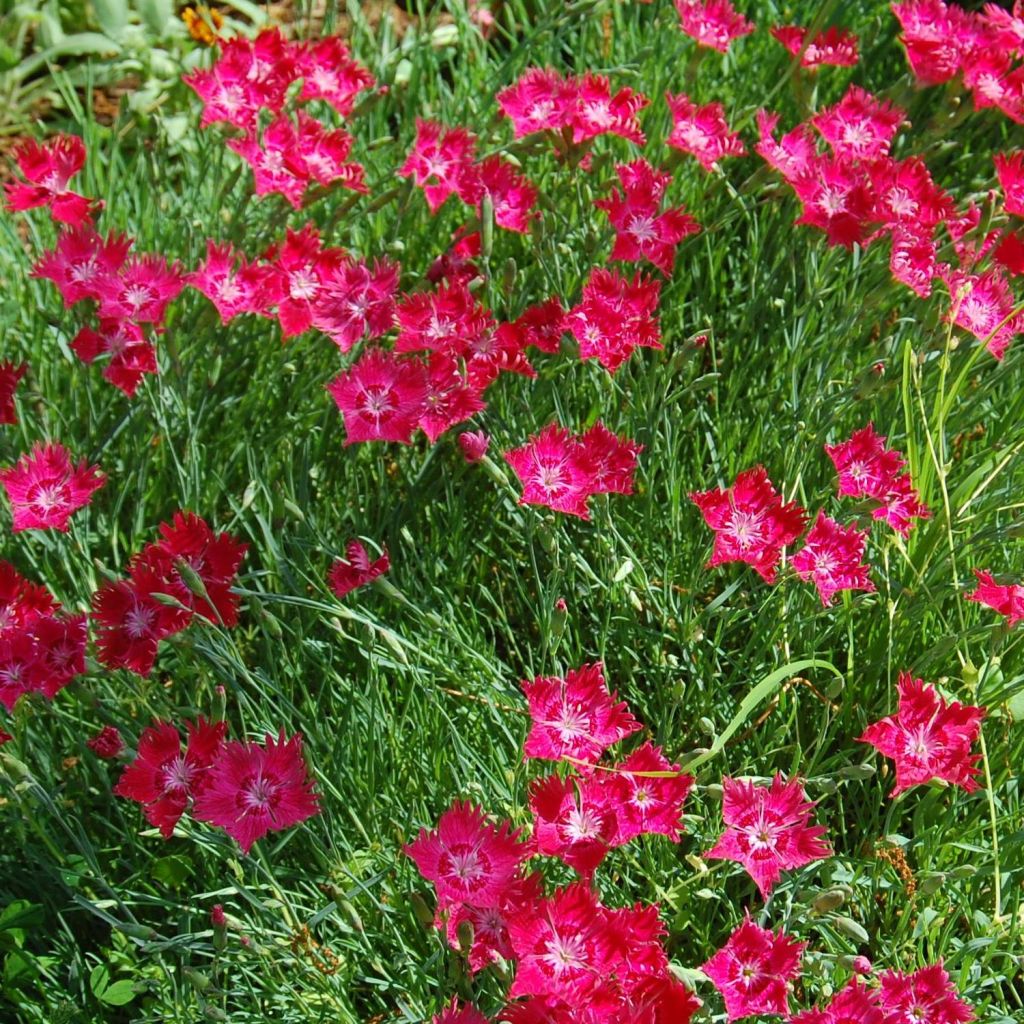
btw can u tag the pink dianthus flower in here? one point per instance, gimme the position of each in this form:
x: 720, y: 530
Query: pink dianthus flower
x: 769, y: 829
x: 928, y: 737
x: 252, y: 789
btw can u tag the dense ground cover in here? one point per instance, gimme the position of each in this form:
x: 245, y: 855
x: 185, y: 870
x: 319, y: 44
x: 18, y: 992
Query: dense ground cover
x: 407, y: 692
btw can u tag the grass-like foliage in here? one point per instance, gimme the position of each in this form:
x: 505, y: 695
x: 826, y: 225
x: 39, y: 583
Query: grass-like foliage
x: 423, y: 585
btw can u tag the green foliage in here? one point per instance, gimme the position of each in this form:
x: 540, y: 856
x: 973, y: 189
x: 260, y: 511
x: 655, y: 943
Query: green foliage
x: 407, y: 693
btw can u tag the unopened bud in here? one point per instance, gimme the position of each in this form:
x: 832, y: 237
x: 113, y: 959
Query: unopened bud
x: 832, y: 899
x: 423, y: 913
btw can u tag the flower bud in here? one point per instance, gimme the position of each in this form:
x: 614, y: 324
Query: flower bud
x: 831, y: 899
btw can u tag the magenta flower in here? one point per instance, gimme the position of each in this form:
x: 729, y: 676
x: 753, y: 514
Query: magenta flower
x: 253, y: 789
x: 355, y: 300
x: 211, y: 558
x: 250, y: 74
x: 913, y: 260
x: 1010, y: 170
x: 713, y: 23
x: 600, y: 112
x: 575, y: 717
x: 453, y: 395
x: 357, y: 569
x: 512, y: 194
x: 123, y: 345
x: 490, y: 924
x: 834, y: 46
x: 983, y: 305
x: 1008, y: 600
x: 934, y: 36
x: 456, y: 1014
x: 130, y: 622
x: 642, y: 230
x: 474, y: 445
x: 60, y: 648
x: 324, y: 154
x: 702, y: 131
x: 836, y: 198
x: 907, y: 197
x: 45, y: 489
x: 902, y: 506
x: 47, y: 169
x: 751, y: 522
x: 542, y: 325
x: 21, y: 671
x: 443, y: 162
x: 540, y: 100
x: 448, y: 320
x: 831, y: 557
x: 859, y: 126
x: 329, y: 73
x: 574, y: 820
x: 562, y: 944
x: 232, y: 283
x: 753, y: 970
x: 614, y: 316
x: 82, y: 262
x: 468, y: 859
x: 928, y: 737
x: 10, y: 375
x: 275, y: 157
x: 301, y: 267
x: 381, y: 397
x: 794, y: 155
x: 140, y: 290
x: 562, y: 470
x: 107, y: 743
x: 21, y: 601
x: 926, y: 996
x: 854, y: 1004
x: 163, y: 777
x: 769, y: 830
x: 866, y: 467
x: 651, y: 804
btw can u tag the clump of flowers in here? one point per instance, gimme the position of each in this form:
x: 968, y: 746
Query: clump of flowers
x: 189, y: 571
x: 584, y: 106
x: 42, y: 648
x: 130, y: 294
x: 294, y: 150
x: 573, y: 955
x: 248, y: 789
x: 868, y: 469
x: 563, y: 470
x: 928, y: 737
